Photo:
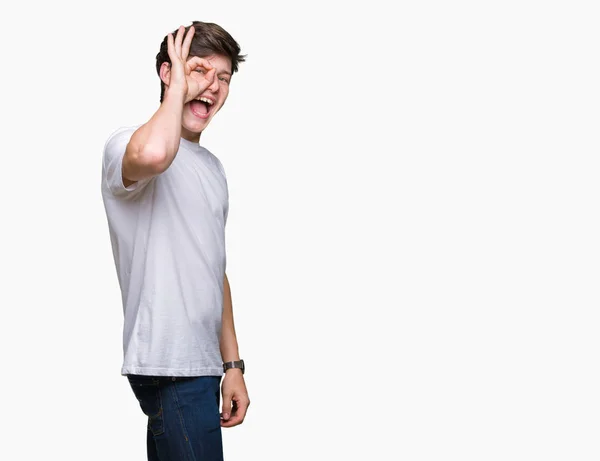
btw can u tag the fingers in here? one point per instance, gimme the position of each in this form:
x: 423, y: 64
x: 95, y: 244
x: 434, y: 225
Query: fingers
x: 210, y: 77
x: 202, y: 73
x: 171, y: 47
x: 240, y: 407
x: 179, y: 40
x: 174, y: 47
x: 196, y: 62
x: 185, y: 51
x: 226, y: 409
x: 178, y: 51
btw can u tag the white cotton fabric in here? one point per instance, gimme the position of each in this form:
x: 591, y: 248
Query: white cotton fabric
x: 168, y: 241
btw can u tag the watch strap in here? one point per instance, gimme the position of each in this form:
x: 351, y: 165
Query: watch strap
x: 234, y: 364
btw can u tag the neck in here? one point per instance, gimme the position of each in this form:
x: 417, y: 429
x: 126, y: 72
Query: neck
x: 188, y: 135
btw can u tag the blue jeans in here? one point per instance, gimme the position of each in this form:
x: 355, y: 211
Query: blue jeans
x: 184, y: 423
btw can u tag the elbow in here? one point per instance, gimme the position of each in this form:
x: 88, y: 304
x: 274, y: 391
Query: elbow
x: 152, y: 161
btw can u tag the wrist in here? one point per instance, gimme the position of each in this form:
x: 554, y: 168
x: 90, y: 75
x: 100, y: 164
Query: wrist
x: 175, y: 93
x: 233, y: 371
x: 234, y: 365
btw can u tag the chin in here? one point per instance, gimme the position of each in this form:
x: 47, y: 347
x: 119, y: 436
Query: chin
x: 194, y: 125
x: 194, y: 128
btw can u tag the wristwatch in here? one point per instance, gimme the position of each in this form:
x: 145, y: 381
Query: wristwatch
x: 236, y: 364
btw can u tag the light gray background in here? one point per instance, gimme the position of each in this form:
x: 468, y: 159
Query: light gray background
x: 412, y: 239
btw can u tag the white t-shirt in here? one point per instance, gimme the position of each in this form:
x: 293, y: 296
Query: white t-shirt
x: 168, y: 241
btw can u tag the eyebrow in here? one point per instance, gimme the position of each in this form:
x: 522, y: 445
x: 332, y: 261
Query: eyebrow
x: 225, y: 72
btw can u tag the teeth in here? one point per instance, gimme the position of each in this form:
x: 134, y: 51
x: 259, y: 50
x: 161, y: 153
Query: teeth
x: 206, y: 100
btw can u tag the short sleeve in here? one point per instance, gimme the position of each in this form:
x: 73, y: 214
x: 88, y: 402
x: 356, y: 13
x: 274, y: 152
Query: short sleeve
x: 112, y: 167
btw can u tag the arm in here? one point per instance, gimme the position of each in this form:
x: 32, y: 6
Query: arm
x: 235, y: 395
x: 229, y: 344
x: 153, y: 146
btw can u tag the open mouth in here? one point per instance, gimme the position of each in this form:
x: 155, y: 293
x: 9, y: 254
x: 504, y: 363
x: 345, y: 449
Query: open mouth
x: 202, y: 107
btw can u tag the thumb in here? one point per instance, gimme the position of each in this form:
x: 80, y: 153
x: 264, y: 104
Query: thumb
x: 226, y: 411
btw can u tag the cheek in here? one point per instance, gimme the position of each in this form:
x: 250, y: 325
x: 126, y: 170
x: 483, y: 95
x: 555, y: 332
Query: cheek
x: 225, y: 93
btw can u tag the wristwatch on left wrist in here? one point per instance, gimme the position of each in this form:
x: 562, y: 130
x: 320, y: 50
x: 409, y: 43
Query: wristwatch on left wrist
x: 235, y: 364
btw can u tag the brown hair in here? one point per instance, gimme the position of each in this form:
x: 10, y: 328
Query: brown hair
x: 209, y: 39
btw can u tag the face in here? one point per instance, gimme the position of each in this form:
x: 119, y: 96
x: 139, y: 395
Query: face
x: 195, y: 120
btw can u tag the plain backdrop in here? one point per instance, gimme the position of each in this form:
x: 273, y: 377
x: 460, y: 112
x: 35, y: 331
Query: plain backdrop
x: 412, y: 239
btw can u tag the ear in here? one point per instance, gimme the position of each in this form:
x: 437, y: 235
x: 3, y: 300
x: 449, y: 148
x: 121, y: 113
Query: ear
x: 165, y: 73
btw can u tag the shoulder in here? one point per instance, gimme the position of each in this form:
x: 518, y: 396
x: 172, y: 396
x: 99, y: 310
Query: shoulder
x: 214, y: 160
x: 118, y: 139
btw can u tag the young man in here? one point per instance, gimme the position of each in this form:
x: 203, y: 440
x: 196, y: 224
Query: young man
x: 166, y: 201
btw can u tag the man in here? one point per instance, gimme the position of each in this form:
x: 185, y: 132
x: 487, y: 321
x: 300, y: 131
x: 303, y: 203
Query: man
x: 166, y: 201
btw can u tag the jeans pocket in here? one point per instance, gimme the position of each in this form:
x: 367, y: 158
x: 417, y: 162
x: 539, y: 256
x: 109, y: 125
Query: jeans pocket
x: 147, y: 391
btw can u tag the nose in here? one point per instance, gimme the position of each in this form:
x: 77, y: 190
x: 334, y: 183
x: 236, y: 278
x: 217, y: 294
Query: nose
x: 214, y: 86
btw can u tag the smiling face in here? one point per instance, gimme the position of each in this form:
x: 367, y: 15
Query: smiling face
x: 214, y: 44
x: 198, y: 113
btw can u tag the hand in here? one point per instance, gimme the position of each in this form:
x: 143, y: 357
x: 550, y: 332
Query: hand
x: 192, y: 77
x: 235, y: 398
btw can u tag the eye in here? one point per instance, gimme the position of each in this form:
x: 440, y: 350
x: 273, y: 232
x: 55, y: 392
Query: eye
x: 200, y: 70
x: 224, y: 79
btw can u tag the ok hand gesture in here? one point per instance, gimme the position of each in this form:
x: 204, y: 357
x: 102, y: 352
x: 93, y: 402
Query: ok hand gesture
x: 191, y: 77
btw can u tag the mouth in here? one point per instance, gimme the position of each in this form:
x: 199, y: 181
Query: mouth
x: 202, y: 107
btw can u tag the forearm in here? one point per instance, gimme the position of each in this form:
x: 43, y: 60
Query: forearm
x: 153, y: 146
x: 233, y: 387
x: 228, y: 342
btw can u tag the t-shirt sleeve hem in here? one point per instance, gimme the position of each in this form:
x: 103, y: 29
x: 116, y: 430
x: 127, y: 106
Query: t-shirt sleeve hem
x: 114, y: 152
